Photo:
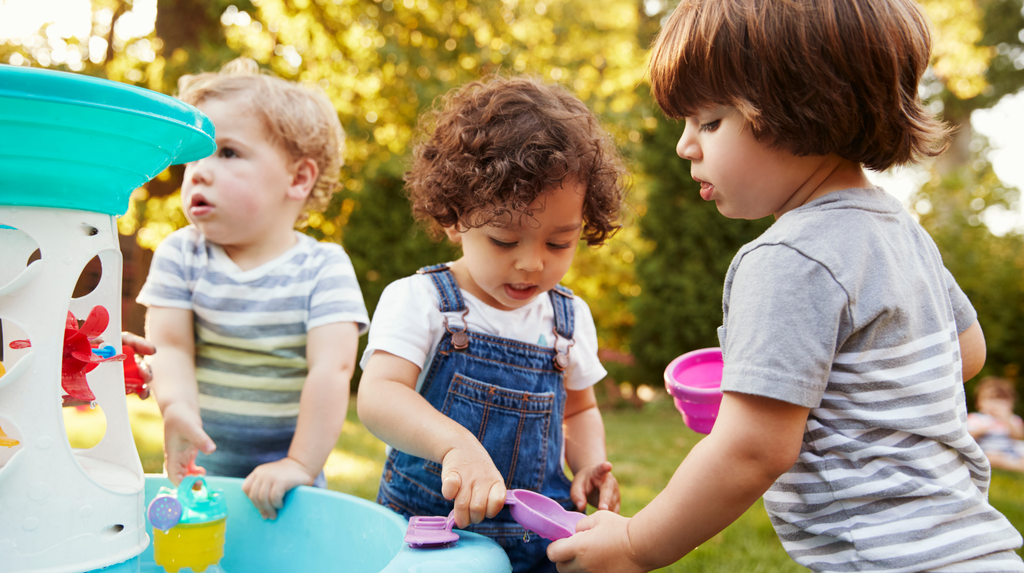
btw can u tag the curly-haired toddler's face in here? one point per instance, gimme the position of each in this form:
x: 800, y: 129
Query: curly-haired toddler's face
x: 507, y: 263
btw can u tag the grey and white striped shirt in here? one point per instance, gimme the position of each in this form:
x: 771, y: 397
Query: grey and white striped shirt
x: 844, y: 306
x: 250, y: 335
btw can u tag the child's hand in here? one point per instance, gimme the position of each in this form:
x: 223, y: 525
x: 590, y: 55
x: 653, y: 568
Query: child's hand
x: 597, y: 485
x: 268, y: 483
x: 470, y: 478
x: 601, y: 543
x: 183, y: 439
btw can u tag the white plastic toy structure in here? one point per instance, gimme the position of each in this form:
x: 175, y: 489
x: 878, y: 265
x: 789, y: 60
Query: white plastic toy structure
x: 73, y: 148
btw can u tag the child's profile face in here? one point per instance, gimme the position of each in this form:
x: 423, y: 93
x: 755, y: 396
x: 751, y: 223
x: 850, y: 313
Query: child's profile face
x: 240, y: 192
x: 746, y: 178
x: 508, y: 265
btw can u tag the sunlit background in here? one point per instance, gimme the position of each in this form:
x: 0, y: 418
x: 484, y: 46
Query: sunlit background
x: 655, y: 289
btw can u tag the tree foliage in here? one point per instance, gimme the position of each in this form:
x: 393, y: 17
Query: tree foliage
x: 656, y: 287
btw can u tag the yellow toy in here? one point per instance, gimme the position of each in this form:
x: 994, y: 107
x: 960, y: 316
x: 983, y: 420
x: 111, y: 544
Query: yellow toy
x: 188, y: 526
x: 5, y: 440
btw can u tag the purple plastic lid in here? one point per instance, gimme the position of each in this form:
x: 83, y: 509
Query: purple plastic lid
x: 164, y: 512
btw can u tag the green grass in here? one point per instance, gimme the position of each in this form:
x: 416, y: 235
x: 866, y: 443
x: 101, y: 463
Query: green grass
x: 645, y: 445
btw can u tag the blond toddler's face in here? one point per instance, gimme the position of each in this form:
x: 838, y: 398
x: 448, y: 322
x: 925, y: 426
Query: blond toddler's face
x: 239, y: 196
x: 508, y: 265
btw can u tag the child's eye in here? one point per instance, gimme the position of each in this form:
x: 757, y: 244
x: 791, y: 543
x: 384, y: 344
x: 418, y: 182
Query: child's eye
x: 501, y: 244
x: 559, y: 245
x: 711, y: 125
x: 228, y: 152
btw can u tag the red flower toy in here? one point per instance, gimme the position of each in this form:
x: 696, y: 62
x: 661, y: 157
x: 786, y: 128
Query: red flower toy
x: 78, y: 355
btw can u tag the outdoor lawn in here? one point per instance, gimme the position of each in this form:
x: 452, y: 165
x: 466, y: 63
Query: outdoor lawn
x: 645, y: 446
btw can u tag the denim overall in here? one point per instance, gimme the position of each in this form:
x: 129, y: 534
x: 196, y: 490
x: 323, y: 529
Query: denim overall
x: 510, y: 395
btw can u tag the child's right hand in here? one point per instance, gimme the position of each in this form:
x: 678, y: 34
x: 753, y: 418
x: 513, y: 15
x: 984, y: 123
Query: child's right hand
x: 469, y: 477
x: 183, y: 439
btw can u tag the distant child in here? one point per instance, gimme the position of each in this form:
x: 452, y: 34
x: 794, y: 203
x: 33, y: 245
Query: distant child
x: 845, y: 339
x: 473, y: 368
x: 998, y: 430
x: 256, y: 324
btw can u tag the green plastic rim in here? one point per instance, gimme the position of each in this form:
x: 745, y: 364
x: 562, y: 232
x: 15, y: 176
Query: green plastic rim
x: 77, y: 142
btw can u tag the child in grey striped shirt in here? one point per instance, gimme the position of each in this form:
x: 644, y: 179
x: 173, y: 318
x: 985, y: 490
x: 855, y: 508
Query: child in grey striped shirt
x: 845, y: 339
x: 256, y: 324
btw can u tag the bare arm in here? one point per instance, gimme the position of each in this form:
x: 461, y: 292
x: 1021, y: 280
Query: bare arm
x: 392, y: 410
x: 755, y: 440
x: 972, y: 350
x: 175, y: 388
x: 331, y: 355
x: 585, y: 453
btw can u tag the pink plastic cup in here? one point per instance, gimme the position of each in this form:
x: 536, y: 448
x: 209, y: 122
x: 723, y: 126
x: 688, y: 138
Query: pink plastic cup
x: 694, y: 381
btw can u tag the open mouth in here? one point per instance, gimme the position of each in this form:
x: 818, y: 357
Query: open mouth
x: 198, y: 205
x: 706, y: 189
x: 520, y: 291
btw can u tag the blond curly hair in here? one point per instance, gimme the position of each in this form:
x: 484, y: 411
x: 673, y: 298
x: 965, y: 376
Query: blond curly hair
x: 302, y: 121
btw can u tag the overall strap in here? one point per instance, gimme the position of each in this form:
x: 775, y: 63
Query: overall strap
x: 447, y: 289
x: 562, y: 302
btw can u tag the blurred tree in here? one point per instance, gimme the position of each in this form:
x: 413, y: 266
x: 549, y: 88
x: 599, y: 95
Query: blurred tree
x: 382, y: 63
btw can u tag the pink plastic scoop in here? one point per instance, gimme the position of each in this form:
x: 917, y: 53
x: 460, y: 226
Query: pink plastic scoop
x: 535, y: 512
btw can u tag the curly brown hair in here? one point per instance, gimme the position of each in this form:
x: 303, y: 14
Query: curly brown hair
x: 810, y: 76
x: 301, y: 120
x: 496, y: 144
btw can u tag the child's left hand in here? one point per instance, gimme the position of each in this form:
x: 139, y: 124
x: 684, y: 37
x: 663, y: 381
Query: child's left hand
x: 268, y: 483
x: 597, y: 485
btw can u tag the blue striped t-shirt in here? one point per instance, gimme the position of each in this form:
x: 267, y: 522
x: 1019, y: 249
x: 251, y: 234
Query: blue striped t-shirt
x: 250, y: 335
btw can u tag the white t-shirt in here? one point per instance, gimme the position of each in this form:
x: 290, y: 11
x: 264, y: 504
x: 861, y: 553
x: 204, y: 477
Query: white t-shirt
x: 409, y: 324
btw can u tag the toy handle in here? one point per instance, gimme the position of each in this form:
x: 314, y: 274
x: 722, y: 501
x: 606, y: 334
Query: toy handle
x: 186, y: 493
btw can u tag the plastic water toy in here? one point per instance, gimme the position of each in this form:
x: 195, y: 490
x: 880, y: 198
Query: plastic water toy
x: 80, y: 352
x: 536, y: 512
x: 188, y: 525
x: 321, y: 530
x: 7, y: 441
x: 693, y: 380
x: 73, y: 149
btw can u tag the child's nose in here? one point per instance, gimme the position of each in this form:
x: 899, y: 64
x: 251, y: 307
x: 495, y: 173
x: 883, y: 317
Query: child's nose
x: 687, y: 147
x: 199, y: 172
x: 531, y: 260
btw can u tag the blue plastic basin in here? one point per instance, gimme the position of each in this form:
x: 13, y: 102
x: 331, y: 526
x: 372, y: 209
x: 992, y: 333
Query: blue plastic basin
x: 324, y: 531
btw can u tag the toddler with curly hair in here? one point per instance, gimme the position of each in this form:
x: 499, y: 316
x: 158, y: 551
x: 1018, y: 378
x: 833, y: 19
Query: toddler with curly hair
x: 474, y: 367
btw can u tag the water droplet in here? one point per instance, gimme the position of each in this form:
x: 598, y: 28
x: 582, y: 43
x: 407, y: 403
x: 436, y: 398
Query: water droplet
x: 92, y: 405
x: 526, y: 537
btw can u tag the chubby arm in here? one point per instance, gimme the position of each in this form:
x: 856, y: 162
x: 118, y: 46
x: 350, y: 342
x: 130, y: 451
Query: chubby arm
x: 331, y: 356
x: 175, y: 388
x: 755, y: 440
x: 585, y: 453
x: 972, y: 350
x: 392, y: 410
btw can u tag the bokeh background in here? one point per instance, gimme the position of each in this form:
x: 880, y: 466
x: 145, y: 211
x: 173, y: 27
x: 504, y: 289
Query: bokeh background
x: 656, y: 288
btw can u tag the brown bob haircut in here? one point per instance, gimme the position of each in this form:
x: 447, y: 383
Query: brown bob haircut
x: 495, y: 145
x: 812, y: 77
x: 300, y: 121
x: 999, y: 387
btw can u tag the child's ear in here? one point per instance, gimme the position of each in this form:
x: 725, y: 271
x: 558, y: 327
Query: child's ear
x: 304, y: 176
x: 453, y: 234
